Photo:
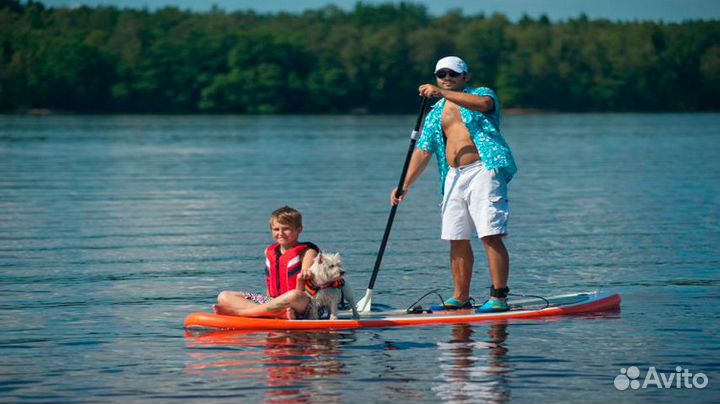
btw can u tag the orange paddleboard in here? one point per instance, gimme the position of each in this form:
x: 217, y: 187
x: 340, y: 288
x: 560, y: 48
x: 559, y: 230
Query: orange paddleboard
x: 558, y: 306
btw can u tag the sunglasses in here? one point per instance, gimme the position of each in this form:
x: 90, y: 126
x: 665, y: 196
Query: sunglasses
x: 442, y: 73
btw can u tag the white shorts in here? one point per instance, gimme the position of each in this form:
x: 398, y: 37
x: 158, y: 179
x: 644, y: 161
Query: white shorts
x: 476, y: 200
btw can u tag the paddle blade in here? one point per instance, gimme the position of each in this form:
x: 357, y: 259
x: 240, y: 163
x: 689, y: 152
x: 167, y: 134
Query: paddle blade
x: 363, y: 305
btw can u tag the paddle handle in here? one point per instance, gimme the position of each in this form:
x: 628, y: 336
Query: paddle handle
x: 414, y: 136
x: 413, y: 139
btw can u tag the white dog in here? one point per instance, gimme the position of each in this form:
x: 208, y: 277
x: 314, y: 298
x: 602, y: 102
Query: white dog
x: 328, y: 287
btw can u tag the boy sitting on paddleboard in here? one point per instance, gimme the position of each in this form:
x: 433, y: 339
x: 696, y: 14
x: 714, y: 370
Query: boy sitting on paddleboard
x: 463, y: 131
x: 287, y: 262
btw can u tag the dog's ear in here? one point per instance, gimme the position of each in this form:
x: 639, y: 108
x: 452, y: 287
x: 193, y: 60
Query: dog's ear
x: 318, y: 259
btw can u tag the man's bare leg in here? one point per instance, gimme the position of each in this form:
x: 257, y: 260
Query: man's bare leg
x: 461, y: 266
x: 498, y: 261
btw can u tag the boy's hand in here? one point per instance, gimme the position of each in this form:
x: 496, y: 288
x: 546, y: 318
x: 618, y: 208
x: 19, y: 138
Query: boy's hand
x: 305, y: 274
x: 430, y: 91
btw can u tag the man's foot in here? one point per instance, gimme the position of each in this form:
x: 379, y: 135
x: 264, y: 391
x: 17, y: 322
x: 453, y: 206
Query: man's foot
x: 493, y: 306
x: 453, y: 304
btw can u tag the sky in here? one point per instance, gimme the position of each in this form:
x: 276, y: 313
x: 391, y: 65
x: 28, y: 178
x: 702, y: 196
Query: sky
x: 624, y: 10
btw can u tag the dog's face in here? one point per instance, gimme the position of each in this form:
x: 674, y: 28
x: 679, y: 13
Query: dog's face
x: 327, y: 268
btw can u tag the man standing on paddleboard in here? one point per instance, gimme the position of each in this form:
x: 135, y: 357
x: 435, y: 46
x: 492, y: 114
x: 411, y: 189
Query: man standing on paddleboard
x: 476, y: 164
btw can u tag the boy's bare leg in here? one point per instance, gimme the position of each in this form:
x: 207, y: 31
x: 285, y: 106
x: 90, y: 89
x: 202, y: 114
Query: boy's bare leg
x: 229, y: 301
x: 461, y: 266
x: 232, y: 304
x: 498, y: 261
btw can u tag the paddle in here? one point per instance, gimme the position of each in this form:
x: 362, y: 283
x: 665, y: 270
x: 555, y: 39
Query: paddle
x: 364, y: 304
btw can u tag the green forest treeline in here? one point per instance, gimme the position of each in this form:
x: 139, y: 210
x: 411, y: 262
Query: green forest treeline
x: 371, y: 58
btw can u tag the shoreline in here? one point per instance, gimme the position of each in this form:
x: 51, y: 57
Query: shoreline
x: 506, y: 112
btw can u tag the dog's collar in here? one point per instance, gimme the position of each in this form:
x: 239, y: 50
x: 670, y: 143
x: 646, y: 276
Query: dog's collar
x: 313, y: 289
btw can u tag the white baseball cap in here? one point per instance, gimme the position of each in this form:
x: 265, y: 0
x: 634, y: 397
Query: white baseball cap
x: 453, y: 63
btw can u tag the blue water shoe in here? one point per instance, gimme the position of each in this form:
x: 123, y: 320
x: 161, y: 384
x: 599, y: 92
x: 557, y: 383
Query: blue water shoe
x: 493, y: 306
x: 453, y: 304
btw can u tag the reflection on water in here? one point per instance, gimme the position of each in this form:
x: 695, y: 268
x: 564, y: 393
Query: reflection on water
x: 307, y: 367
x: 473, y: 368
x: 292, y: 366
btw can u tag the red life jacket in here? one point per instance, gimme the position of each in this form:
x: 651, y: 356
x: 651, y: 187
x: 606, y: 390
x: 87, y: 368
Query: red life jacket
x: 281, y: 270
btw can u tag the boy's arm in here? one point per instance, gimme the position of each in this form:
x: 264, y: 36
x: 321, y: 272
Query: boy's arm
x: 267, y: 291
x: 305, y: 272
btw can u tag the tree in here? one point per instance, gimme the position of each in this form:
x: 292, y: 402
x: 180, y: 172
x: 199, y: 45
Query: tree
x: 370, y: 58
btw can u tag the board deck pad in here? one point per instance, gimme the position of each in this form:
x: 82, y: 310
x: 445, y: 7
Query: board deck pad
x: 575, y: 303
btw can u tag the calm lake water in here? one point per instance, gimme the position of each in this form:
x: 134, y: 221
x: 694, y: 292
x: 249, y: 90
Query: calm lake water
x: 113, y: 229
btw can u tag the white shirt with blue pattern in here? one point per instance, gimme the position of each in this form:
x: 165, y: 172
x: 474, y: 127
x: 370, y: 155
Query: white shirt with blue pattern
x: 484, y: 127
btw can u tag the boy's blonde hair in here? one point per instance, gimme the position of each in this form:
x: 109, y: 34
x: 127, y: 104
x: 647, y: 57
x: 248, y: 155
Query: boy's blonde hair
x: 286, y: 215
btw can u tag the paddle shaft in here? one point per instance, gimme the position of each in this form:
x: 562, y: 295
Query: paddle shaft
x: 398, y: 193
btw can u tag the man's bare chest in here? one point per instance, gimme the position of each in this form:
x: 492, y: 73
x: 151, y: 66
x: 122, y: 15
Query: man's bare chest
x: 451, y: 115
